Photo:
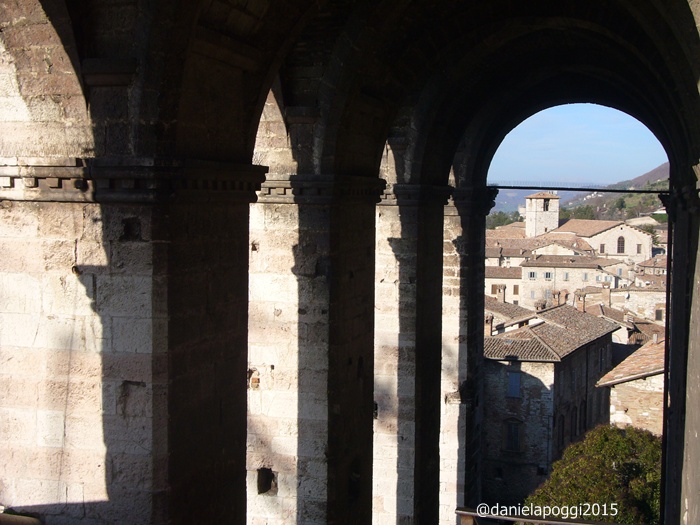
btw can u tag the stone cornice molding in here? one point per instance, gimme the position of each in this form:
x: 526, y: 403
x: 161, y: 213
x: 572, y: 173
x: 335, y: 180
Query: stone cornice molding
x: 127, y: 180
x: 300, y: 189
x: 415, y: 195
x: 469, y: 200
x: 683, y: 198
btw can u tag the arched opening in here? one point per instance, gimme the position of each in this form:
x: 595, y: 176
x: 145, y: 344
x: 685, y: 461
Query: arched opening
x: 553, y: 238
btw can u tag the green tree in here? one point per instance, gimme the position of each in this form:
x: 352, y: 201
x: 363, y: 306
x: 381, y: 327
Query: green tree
x: 501, y: 218
x: 611, y: 465
x: 583, y: 212
x: 620, y: 204
x: 649, y: 228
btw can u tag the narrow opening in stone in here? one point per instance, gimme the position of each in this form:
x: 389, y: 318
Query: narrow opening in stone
x: 266, y: 480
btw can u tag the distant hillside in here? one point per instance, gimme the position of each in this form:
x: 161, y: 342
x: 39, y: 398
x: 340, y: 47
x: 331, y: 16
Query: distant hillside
x: 620, y: 206
x: 509, y: 200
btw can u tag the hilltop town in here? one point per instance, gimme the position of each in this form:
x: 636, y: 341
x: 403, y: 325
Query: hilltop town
x: 574, y: 328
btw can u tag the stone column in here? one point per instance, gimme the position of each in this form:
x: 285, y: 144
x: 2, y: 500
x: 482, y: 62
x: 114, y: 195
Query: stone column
x: 407, y: 354
x: 311, y: 351
x: 92, y: 428
x: 463, y: 340
x: 681, y: 474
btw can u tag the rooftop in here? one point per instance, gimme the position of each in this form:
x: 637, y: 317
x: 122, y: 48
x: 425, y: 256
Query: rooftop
x: 587, y: 227
x: 570, y: 261
x: 543, y: 195
x: 501, y: 272
x: 508, y: 310
x: 563, y: 331
x: 643, y: 362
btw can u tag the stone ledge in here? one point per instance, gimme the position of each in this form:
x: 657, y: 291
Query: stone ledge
x: 415, y: 194
x: 321, y: 190
x: 131, y: 181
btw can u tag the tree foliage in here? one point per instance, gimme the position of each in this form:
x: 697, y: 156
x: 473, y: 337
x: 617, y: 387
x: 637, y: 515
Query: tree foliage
x: 501, y: 218
x: 610, y: 465
x: 583, y: 212
x: 649, y: 228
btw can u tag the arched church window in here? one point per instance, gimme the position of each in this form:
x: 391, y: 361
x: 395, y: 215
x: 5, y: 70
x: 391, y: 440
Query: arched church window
x: 620, y: 244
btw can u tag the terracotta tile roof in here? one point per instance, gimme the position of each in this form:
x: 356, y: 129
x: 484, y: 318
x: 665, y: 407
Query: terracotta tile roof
x: 508, y: 346
x: 508, y: 310
x: 493, y: 251
x: 506, y: 233
x: 542, y: 195
x: 643, y: 362
x: 563, y: 331
x: 649, y: 329
x: 516, y: 244
x: 658, y: 261
x: 515, y: 252
x: 512, y: 225
x: 567, y: 240
x: 569, y: 261
x: 501, y: 272
x: 587, y: 227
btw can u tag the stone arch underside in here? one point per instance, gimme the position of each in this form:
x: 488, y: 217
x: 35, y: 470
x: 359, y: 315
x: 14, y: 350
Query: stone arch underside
x: 178, y: 94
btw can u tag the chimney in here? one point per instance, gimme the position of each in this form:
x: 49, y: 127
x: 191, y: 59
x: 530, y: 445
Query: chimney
x: 656, y: 338
x: 488, y: 325
x: 540, y: 305
x: 580, y: 301
x: 556, y: 295
x: 606, y: 294
x: 501, y: 293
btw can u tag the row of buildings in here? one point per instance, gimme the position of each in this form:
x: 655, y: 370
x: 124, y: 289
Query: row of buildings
x: 574, y: 337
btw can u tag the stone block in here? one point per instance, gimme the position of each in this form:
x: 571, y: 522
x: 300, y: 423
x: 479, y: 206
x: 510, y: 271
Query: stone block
x: 123, y: 296
x: 20, y: 293
x: 57, y: 333
x: 50, y: 428
x: 18, y: 392
x: 132, y: 335
x: 92, y: 256
x: 67, y: 294
x: 84, y: 431
x: 17, y: 426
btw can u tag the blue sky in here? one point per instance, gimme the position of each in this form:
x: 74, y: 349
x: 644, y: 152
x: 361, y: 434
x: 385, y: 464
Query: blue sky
x: 576, y: 144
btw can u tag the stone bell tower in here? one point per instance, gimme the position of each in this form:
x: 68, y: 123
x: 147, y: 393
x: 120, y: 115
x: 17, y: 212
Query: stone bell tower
x: 541, y: 213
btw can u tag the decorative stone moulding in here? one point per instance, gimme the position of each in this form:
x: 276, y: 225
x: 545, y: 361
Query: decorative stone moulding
x: 415, y: 194
x: 481, y: 199
x: 128, y: 180
x: 298, y: 189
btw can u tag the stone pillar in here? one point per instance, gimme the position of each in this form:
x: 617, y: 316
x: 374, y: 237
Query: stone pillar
x: 90, y: 421
x: 463, y: 343
x: 311, y: 351
x: 681, y: 475
x: 407, y: 354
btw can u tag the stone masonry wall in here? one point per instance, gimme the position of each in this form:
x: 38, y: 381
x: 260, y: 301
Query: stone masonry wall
x: 453, y: 416
x: 510, y: 475
x: 82, y: 409
x: 288, y: 366
x: 639, y: 403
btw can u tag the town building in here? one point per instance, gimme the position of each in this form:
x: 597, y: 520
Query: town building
x: 543, y: 275
x: 637, y: 388
x: 652, y: 272
x: 612, y: 238
x: 540, y: 374
x: 541, y: 213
